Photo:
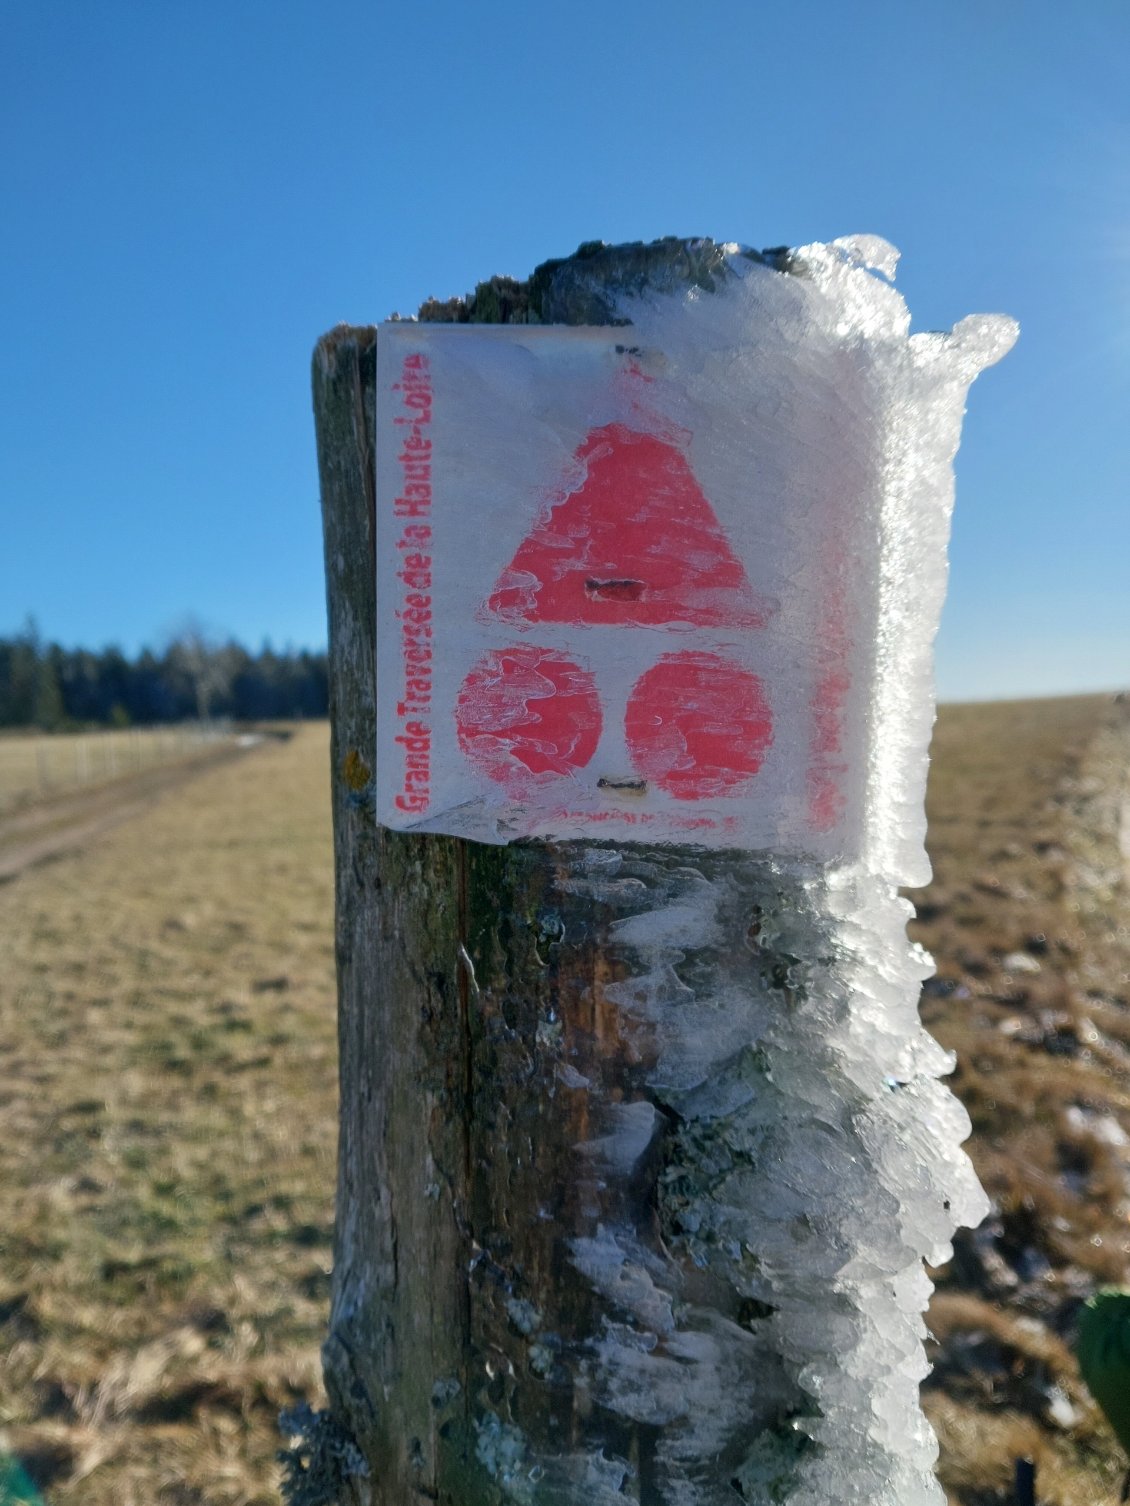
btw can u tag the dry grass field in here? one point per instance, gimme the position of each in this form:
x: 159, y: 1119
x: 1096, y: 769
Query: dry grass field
x: 1028, y: 918
x: 167, y: 1115
x: 167, y: 1133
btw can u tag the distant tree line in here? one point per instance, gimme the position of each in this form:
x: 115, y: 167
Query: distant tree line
x: 44, y: 685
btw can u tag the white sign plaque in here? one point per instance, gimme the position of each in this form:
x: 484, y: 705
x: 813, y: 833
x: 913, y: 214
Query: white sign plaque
x: 629, y: 579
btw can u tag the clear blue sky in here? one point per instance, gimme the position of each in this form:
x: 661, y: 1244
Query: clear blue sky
x: 192, y: 193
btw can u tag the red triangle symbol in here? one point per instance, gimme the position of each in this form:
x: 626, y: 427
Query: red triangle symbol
x: 636, y: 542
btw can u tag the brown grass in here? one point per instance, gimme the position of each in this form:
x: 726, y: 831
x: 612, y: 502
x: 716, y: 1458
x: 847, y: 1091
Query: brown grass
x: 1022, y: 918
x: 167, y: 1133
x: 167, y: 1120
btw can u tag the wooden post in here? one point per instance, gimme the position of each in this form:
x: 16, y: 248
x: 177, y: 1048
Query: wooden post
x: 555, y: 1282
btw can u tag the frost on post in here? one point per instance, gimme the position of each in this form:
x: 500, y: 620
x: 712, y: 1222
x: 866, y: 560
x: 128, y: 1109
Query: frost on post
x: 664, y: 594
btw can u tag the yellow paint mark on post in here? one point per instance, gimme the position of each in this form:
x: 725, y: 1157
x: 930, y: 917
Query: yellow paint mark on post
x: 355, y: 771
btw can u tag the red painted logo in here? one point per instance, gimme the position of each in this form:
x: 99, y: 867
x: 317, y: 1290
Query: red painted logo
x: 698, y: 725
x: 634, y: 544
x: 524, y: 712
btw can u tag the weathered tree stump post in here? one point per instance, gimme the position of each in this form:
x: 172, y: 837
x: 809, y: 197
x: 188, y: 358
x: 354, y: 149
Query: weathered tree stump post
x: 641, y: 1147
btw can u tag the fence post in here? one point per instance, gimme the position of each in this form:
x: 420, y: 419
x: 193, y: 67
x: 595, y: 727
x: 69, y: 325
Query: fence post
x: 557, y: 1280
x: 1025, y: 1483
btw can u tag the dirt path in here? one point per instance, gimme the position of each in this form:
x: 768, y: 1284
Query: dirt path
x: 51, y: 827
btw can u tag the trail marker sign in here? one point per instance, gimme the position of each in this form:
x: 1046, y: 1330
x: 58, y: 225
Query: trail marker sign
x: 611, y: 593
x: 665, y: 569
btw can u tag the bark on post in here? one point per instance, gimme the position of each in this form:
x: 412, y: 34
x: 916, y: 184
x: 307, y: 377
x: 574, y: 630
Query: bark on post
x: 563, y: 1272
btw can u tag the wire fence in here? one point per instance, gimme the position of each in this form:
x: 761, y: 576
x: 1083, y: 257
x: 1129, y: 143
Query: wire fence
x: 34, y: 766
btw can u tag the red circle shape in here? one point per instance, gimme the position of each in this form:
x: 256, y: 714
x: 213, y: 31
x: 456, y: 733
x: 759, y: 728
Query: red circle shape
x: 523, y: 713
x: 698, y: 725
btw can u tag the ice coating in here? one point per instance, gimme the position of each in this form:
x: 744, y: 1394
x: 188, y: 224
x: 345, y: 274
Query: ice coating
x: 883, y: 408
x: 756, y: 1194
x: 767, y: 1154
x: 679, y: 587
